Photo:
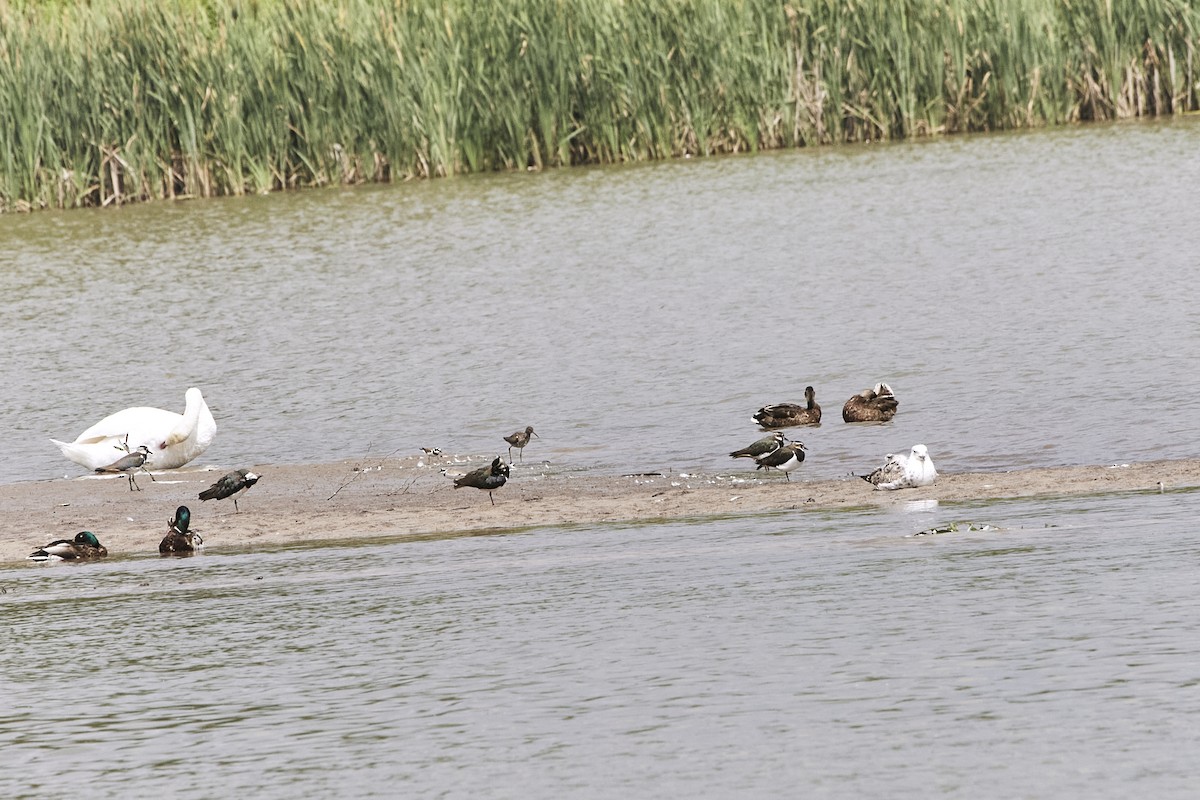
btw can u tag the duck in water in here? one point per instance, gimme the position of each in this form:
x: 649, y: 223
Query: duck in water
x: 871, y: 405
x: 179, y: 540
x: 789, y: 415
x: 84, y: 547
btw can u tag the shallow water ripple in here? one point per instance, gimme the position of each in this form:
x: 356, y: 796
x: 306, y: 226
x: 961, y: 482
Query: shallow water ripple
x: 1007, y: 287
x: 829, y: 650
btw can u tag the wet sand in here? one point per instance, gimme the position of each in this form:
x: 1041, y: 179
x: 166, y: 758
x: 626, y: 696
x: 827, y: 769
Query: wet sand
x: 410, y: 496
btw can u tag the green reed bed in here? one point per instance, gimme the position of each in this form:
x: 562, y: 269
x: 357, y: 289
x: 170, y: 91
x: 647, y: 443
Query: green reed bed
x: 121, y: 100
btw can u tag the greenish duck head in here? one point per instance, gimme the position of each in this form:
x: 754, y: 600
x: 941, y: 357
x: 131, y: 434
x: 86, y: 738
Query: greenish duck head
x: 183, y: 518
x: 87, y: 538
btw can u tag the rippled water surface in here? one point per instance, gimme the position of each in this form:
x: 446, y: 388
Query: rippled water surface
x: 1025, y: 295
x: 814, y: 654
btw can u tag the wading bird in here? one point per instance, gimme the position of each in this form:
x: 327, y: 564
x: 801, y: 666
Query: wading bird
x: 129, y: 464
x: 488, y: 478
x: 229, y: 485
x: 757, y: 449
x: 785, y: 459
x: 519, y: 440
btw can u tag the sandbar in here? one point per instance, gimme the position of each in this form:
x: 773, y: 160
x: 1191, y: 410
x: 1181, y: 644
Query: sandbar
x: 412, y: 496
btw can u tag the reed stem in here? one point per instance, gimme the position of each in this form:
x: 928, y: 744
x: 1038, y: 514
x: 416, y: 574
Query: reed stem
x: 115, y: 101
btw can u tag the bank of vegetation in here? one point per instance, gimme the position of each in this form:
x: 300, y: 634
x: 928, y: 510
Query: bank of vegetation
x: 113, y: 101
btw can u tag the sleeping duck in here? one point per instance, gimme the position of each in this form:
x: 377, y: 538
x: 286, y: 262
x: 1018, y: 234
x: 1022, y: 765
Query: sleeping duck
x: 871, y: 405
x: 786, y: 415
x: 904, y: 472
x: 84, y: 547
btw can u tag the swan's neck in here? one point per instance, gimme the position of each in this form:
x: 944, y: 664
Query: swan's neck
x: 186, y: 426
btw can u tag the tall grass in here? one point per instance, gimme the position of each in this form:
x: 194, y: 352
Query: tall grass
x: 120, y: 100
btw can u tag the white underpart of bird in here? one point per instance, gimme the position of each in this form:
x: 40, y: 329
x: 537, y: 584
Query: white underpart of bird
x: 918, y: 470
x: 172, y: 439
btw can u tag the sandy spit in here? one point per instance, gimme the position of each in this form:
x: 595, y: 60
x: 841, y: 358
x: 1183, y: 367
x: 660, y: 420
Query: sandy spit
x: 412, y: 496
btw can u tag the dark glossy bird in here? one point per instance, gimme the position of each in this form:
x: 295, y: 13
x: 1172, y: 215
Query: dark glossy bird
x: 767, y: 444
x: 488, y: 478
x: 789, y: 415
x: 871, y: 405
x: 129, y: 464
x: 785, y: 459
x: 84, y: 547
x: 519, y: 440
x: 229, y: 485
x: 179, y: 540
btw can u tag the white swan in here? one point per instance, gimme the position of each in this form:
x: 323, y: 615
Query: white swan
x: 901, y: 472
x: 172, y: 439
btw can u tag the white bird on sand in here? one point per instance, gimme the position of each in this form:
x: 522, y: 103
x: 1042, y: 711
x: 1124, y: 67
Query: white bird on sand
x: 902, y: 472
x: 171, y: 439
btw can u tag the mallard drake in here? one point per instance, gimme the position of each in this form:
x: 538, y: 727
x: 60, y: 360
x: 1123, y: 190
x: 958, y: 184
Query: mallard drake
x: 903, y: 472
x: 767, y: 444
x: 84, y: 547
x: 871, y: 405
x: 488, y: 478
x: 229, y: 485
x: 129, y: 464
x: 179, y: 540
x: 171, y: 439
x: 788, y: 415
x: 519, y: 440
x: 785, y: 459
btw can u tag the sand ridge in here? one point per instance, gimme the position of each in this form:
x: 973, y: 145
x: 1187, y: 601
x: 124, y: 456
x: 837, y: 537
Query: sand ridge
x: 411, y: 496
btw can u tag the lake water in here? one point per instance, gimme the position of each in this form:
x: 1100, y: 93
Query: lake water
x: 1027, y: 296
x: 811, y: 654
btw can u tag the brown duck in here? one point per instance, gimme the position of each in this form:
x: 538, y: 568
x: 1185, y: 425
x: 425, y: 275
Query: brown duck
x: 871, y: 405
x: 788, y: 415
